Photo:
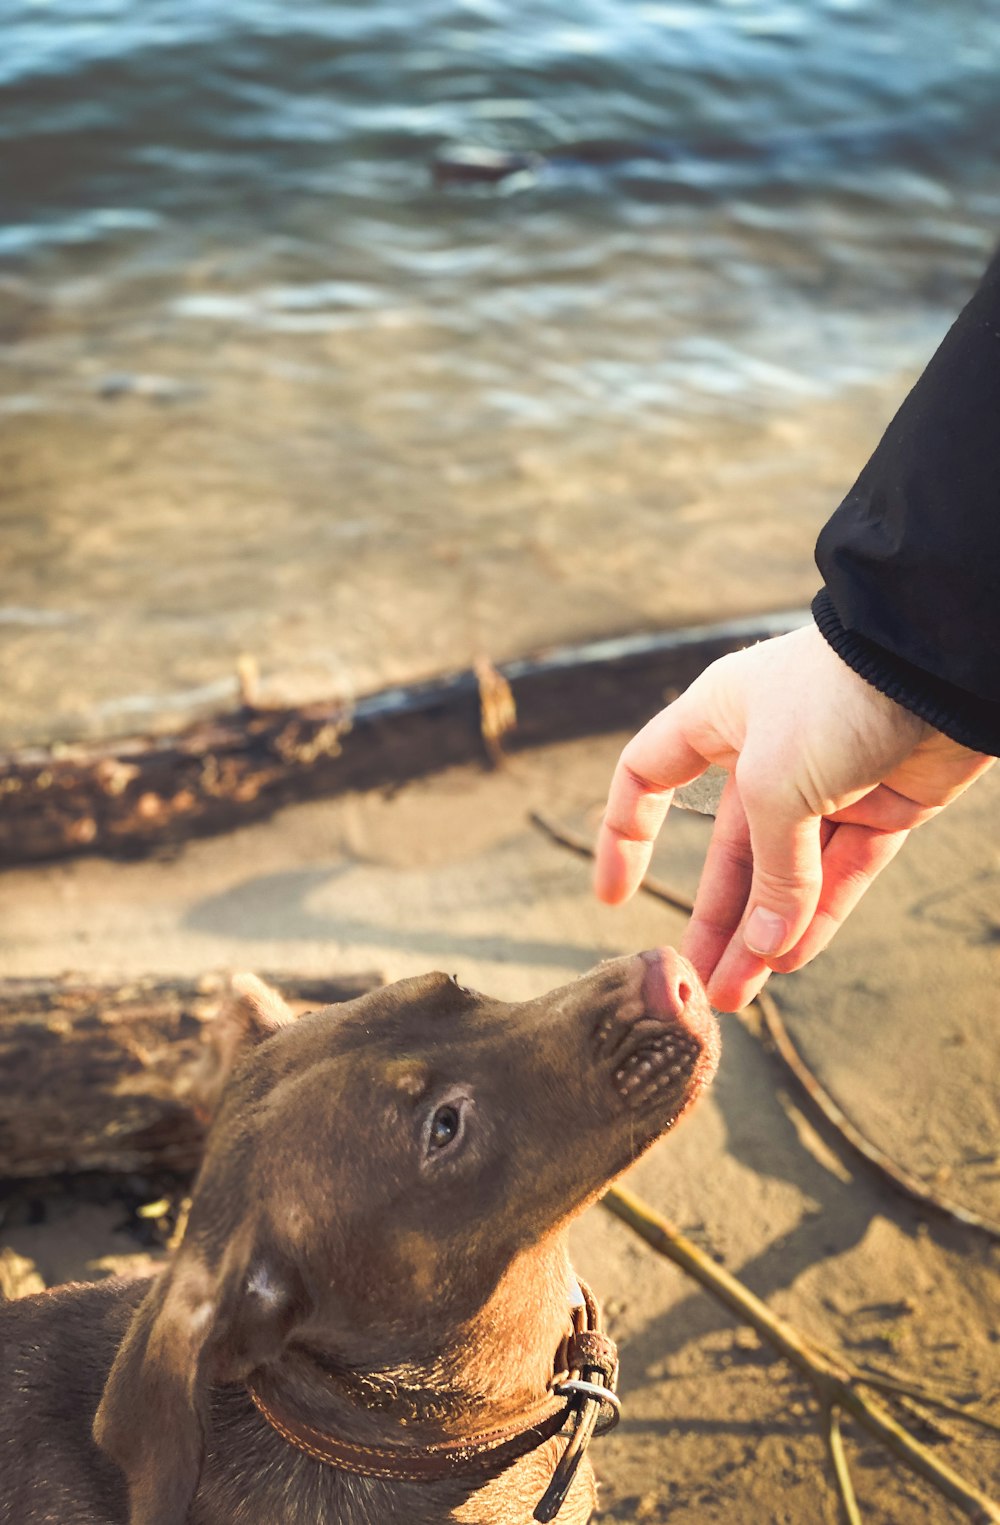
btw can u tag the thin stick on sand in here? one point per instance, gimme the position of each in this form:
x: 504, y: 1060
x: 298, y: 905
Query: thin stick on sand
x: 836, y: 1384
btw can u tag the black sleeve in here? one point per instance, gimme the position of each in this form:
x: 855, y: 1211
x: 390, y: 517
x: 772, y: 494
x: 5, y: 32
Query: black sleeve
x: 911, y: 558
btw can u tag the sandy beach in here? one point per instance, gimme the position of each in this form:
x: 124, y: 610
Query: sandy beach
x: 898, y: 1019
x: 274, y: 391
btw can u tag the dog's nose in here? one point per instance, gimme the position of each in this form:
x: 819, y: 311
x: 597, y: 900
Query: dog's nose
x: 671, y: 990
x: 668, y: 982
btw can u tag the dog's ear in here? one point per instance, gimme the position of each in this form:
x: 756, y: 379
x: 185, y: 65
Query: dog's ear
x: 251, y: 1012
x: 260, y: 1010
x: 195, y: 1327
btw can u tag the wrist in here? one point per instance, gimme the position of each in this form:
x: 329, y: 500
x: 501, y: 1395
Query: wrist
x: 964, y: 718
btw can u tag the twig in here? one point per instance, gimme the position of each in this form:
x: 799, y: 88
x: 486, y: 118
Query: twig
x: 497, y: 709
x: 889, y: 1382
x: 583, y: 849
x: 834, y: 1382
x: 933, y: 1426
x: 841, y: 1471
x: 789, y: 1056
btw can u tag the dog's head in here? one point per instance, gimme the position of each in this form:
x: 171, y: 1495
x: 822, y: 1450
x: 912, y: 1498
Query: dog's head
x: 375, y: 1169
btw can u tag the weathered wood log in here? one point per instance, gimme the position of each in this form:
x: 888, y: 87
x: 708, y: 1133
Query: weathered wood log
x: 95, y: 1077
x: 129, y: 796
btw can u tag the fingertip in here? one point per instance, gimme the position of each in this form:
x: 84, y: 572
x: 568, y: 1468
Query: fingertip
x: 619, y: 867
x: 703, y: 946
x: 737, y: 978
x: 610, y: 878
x: 611, y: 889
x: 731, y: 996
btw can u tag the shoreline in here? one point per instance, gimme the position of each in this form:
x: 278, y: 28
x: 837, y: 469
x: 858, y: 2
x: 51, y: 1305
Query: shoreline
x: 160, y: 547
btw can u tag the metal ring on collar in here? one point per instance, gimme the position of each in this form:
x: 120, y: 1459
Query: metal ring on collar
x: 599, y: 1394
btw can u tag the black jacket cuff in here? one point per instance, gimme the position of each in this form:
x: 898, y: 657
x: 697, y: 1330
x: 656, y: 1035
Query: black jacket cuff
x: 964, y: 717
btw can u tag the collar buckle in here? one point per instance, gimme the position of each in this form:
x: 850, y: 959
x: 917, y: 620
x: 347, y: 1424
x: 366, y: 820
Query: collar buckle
x: 594, y: 1406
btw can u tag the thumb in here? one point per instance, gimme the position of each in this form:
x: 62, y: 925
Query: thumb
x: 787, y: 869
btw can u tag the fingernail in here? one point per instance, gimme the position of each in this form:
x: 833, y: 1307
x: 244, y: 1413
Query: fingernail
x: 764, y: 932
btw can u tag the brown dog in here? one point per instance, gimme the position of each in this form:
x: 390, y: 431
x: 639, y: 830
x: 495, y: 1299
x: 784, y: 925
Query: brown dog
x: 374, y: 1272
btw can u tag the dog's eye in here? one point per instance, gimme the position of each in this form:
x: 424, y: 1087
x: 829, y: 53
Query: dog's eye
x: 445, y: 1131
x: 445, y: 1126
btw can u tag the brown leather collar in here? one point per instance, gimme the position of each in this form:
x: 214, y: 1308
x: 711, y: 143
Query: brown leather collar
x: 582, y: 1392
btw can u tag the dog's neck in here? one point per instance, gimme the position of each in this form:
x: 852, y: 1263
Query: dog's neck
x: 482, y: 1374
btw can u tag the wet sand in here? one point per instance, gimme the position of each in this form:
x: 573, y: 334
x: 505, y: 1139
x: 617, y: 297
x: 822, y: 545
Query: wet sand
x: 899, y: 1019
x: 346, y: 559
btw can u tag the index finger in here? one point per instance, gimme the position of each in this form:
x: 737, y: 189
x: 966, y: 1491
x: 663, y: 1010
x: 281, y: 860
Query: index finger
x: 656, y: 762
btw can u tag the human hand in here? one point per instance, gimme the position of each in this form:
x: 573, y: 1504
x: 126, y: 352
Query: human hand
x: 827, y: 779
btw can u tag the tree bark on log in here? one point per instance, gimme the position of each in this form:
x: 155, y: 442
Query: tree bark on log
x: 94, y: 1077
x: 134, y: 795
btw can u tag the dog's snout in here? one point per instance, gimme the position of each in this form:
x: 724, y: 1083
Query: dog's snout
x: 659, y: 1039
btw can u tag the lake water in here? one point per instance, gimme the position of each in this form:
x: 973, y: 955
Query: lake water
x: 271, y: 384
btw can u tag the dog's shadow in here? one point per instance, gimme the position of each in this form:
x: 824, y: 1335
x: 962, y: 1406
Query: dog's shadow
x: 276, y: 907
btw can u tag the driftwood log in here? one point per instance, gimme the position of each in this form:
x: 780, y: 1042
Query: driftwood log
x: 94, y: 1077
x: 133, y: 795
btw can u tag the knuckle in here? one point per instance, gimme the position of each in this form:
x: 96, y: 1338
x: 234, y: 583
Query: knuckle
x: 763, y: 790
x: 757, y: 784
x: 635, y: 781
x: 630, y: 777
x: 628, y: 831
x: 856, y: 878
x: 788, y: 880
x: 736, y: 853
x: 793, y: 896
x: 723, y: 668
